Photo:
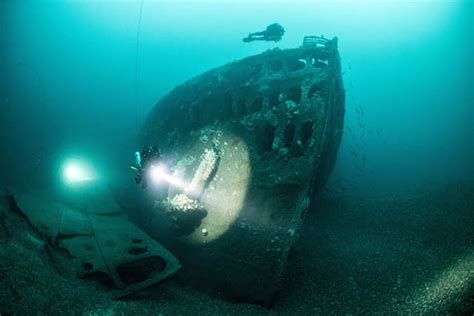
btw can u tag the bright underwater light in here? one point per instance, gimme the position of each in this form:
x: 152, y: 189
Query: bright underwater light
x: 156, y: 173
x: 76, y: 171
x: 159, y: 173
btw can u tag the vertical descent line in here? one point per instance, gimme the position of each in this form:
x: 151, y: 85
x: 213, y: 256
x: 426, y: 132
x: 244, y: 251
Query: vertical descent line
x: 136, y: 65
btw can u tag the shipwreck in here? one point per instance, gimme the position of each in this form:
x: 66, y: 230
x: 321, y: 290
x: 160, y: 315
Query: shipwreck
x: 245, y: 148
x: 253, y: 142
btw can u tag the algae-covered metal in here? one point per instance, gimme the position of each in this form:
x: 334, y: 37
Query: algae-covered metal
x: 100, y: 241
x: 267, y: 128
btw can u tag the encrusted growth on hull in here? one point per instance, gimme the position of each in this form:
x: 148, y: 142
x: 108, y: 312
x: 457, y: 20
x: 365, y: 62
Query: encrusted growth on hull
x: 275, y: 120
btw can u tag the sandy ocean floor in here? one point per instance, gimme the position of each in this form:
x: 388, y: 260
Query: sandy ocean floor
x: 411, y: 254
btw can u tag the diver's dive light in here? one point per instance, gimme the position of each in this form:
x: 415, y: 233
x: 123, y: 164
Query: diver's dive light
x: 76, y: 171
x: 159, y: 174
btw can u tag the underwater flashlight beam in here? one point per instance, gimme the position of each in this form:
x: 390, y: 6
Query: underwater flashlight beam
x: 158, y: 173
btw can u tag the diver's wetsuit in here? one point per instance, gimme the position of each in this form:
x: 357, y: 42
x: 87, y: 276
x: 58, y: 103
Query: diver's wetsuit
x: 273, y: 32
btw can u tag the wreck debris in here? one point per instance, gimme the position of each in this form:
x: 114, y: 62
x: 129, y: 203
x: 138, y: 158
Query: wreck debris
x: 184, y: 212
x: 182, y: 203
x: 204, y: 172
x: 315, y: 41
x: 277, y: 118
x: 104, y: 246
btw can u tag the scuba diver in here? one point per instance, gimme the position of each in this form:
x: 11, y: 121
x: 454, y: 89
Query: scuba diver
x: 274, y: 32
x: 143, y: 162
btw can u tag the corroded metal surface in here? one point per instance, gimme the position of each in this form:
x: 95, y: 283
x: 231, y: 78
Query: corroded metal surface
x: 274, y: 123
x: 105, y: 245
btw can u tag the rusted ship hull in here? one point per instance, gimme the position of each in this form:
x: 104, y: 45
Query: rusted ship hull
x: 254, y: 140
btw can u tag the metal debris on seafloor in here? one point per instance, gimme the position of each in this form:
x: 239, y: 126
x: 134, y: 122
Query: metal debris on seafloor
x: 104, y: 244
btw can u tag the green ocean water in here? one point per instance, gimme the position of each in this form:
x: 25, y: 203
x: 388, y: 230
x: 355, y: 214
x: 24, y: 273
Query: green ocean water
x: 394, y: 234
x: 68, y: 78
